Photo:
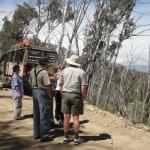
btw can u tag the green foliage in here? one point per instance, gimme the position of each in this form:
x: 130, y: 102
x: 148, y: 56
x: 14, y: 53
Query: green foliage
x: 56, y: 7
x: 109, y: 108
x: 13, y: 30
x: 6, y: 35
x: 134, y: 110
x: 91, y: 100
x: 22, y: 18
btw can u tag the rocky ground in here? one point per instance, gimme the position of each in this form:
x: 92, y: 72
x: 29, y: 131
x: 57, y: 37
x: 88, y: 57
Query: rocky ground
x: 101, y: 130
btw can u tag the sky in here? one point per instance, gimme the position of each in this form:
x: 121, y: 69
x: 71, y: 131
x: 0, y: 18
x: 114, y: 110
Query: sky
x: 140, y: 44
x: 137, y: 47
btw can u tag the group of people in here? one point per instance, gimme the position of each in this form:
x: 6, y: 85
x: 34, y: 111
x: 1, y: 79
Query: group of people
x: 68, y: 85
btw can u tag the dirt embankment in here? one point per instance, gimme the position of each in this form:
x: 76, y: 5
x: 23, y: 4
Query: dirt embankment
x: 101, y: 130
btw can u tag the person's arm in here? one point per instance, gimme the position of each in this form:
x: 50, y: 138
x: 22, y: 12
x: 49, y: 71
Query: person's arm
x: 47, y: 84
x: 17, y: 89
x: 61, y: 82
x: 15, y: 80
x: 83, y: 91
x: 30, y: 81
x: 84, y: 84
x: 52, y: 76
x: 60, y: 88
x: 48, y: 90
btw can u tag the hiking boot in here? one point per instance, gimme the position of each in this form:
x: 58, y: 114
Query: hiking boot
x: 78, y: 141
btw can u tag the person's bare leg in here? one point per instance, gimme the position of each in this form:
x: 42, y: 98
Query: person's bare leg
x: 66, y: 124
x: 76, y: 125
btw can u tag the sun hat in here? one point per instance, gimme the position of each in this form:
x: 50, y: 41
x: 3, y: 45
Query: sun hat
x: 73, y: 60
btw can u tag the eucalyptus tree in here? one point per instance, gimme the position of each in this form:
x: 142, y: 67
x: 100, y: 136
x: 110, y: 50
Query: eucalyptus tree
x: 13, y: 30
x: 102, y: 46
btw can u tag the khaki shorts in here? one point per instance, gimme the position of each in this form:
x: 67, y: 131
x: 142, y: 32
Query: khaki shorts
x: 72, y: 104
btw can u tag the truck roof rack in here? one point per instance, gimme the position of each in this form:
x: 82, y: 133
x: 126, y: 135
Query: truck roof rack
x: 19, y: 47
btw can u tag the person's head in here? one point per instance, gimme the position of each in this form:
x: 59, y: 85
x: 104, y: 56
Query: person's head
x: 44, y: 62
x: 16, y: 68
x: 73, y: 61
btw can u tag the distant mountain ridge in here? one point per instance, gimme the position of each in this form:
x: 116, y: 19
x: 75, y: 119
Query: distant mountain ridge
x: 140, y: 68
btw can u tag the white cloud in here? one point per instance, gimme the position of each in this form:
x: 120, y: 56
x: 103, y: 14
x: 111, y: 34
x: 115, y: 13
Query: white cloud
x: 137, y: 45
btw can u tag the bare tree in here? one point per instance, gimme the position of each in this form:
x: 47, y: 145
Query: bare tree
x: 63, y: 29
x: 108, y: 15
x: 80, y: 9
x: 147, y: 91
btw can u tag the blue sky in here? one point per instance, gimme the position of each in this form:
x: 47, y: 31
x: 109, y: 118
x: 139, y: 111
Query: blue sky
x: 139, y: 44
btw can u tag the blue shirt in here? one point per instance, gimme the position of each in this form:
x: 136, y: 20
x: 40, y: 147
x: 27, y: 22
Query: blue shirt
x: 16, y: 81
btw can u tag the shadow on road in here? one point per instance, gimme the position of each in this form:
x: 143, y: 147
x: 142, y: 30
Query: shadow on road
x: 101, y: 137
x: 58, y: 132
x: 8, y: 141
x: 5, y: 97
x: 81, y: 123
x: 27, y: 116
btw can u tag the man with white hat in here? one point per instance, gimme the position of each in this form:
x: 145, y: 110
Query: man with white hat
x: 73, y: 84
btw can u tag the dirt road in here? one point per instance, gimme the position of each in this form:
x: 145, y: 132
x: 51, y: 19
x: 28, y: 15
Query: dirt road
x: 101, y: 130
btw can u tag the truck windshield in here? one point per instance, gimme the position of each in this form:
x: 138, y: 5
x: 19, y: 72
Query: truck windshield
x: 16, y: 56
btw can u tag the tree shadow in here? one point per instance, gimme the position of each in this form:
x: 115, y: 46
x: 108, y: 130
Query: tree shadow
x: 59, y: 132
x: 27, y: 116
x: 9, y: 141
x: 27, y: 98
x: 6, y: 97
x: 84, y: 121
x: 71, y: 125
x: 81, y: 123
x: 101, y: 137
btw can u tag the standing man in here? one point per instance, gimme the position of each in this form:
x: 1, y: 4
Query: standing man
x: 40, y: 84
x: 73, y: 85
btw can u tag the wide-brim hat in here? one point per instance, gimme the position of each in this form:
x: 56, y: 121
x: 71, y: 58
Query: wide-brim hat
x: 73, y: 60
x: 44, y: 61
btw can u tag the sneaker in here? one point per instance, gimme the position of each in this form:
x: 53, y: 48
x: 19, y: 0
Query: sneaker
x: 78, y: 141
x: 66, y: 140
x: 60, y: 122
